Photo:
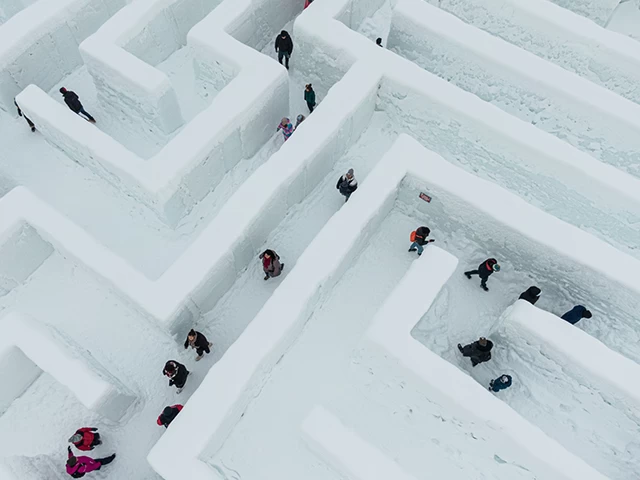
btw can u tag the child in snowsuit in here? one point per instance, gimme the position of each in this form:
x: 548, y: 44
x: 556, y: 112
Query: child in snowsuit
x: 284, y: 47
x: 168, y: 414
x: 286, y: 127
x: 500, y: 383
x: 310, y: 97
x: 485, y: 269
x: 177, y: 374
x: 86, y: 438
x: 299, y: 119
x: 531, y: 295
x: 576, y: 314
x: 198, y: 341
x: 78, y: 466
x: 33, y: 127
x: 271, y: 264
x: 73, y: 102
x: 347, y: 184
x: 419, y: 239
x: 478, y: 351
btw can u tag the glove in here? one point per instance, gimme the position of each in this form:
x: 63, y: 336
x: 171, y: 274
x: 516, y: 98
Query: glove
x: 69, y: 449
x: 431, y: 241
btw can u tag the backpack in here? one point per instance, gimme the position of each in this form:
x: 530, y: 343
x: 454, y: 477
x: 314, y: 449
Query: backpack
x: 412, y: 237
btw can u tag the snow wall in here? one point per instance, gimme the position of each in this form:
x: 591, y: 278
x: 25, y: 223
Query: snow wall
x: 559, y: 35
x: 479, y: 136
x: 39, y: 44
x: 234, y: 238
x: 345, y: 451
x: 245, y: 365
x: 66, y: 361
x: 22, y: 251
x: 596, y: 367
x: 562, y: 103
x: 192, y: 164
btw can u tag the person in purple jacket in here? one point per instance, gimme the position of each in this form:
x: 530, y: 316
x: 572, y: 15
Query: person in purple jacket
x: 78, y: 466
x: 286, y: 127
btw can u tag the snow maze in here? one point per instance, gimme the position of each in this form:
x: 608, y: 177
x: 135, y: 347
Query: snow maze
x: 517, y: 121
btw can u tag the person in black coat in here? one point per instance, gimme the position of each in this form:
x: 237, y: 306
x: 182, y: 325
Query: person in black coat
x: 177, y: 374
x: 284, y: 47
x: 420, y: 239
x: 33, y: 127
x: 168, y: 415
x: 198, y: 341
x: 347, y: 184
x: 478, y: 351
x: 531, y: 295
x: 485, y: 269
x: 73, y: 102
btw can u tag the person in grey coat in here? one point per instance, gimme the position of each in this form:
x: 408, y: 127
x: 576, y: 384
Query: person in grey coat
x: 271, y: 264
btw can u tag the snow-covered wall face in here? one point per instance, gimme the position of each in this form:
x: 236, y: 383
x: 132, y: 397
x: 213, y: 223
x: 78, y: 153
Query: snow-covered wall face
x: 40, y: 44
x: 559, y: 35
x: 17, y: 374
x: 22, y: 251
x: 594, y: 365
x: 64, y: 360
x: 513, y: 159
x: 585, y: 115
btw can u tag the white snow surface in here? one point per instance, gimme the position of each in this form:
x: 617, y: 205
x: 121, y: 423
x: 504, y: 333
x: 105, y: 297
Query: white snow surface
x: 120, y: 236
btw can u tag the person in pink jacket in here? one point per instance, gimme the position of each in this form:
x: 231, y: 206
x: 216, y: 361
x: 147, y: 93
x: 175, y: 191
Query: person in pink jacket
x: 78, y: 466
x: 286, y: 127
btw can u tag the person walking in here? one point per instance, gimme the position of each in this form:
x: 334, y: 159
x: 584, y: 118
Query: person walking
x: 286, y: 127
x: 347, y: 184
x: 419, y: 239
x: 199, y: 342
x: 271, y: 264
x: 379, y: 42
x: 531, y: 295
x: 168, y: 415
x: 478, y: 351
x: 310, y: 97
x: 284, y: 47
x: 73, y: 102
x: 501, y: 383
x: 86, y: 438
x: 576, y: 314
x: 77, y: 467
x: 299, y: 119
x: 177, y: 374
x: 33, y: 127
x: 484, y: 271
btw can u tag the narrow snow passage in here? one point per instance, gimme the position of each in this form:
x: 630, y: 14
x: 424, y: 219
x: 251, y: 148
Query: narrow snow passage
x: 421, y: 435
x: 544, y: 392
x: 246, y: 297
x: 70, y: 299
x: 626, y: 19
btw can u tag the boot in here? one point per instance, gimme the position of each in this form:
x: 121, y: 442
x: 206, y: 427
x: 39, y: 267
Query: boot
x: 179, y: 390
x: 460, y: 348
x: 266, y: 277
x: 198, y: 358
x: 412, y: 249
x: 484, y: 287
x: 210, y: 344
x: 468, y: 275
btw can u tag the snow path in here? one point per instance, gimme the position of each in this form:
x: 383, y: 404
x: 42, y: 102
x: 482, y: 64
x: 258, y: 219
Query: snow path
x: 316, y: 371
x: 250, y: 292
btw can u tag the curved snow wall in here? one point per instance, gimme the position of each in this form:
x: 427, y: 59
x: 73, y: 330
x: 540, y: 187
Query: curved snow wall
x: 40, y: 43
x: 562, y: 103
x: 558, y: 35
x: 479, y: 136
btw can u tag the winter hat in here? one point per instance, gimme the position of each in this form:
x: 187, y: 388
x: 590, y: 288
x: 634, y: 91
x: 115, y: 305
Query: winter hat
x: 300, y: 118
x: 350, y: 172
x: 75, y: 438
x: 72, y: 461
x: 496, y: 268
x: 62, y: 89
x: 587, y: 314
x: 535, y: 290
x: 285, y: 120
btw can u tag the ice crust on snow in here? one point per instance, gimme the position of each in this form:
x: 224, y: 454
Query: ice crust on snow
x: 28, y: 347
x: 562, y: 103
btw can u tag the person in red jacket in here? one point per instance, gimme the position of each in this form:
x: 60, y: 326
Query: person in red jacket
x: 168, y: 415
x: 86, y: 438
x: 78, y: 466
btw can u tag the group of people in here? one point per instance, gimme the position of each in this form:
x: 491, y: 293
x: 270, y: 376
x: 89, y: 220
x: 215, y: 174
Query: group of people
x: 285, y: 124
x: 480, y: 350
x: 73, y: 102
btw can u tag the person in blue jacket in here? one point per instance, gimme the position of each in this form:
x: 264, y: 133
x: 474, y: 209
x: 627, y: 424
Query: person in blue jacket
x: 501, y: 383
x: 576, y: 314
